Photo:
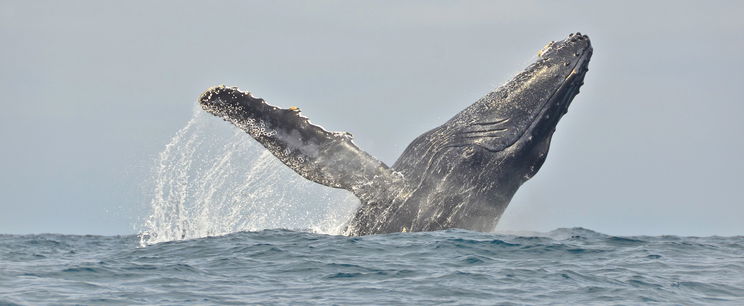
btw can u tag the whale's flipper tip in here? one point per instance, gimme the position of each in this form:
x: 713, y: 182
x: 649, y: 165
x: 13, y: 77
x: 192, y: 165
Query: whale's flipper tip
x: 210, y: 92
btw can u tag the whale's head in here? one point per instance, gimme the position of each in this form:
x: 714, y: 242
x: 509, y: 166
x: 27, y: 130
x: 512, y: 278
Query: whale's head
x: 516, y: 122
x: 493, y: 146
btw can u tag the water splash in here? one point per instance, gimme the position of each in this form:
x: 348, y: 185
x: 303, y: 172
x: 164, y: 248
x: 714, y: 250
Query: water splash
x: 213, y: 179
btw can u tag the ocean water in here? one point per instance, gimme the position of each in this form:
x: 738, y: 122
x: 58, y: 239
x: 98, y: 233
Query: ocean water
x: 565, y: 266
x: 215, y: 233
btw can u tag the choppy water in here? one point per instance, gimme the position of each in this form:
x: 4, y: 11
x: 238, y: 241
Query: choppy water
x: 565, y: 266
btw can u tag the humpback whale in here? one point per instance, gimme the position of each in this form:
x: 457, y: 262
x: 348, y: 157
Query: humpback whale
x: 461, y: 174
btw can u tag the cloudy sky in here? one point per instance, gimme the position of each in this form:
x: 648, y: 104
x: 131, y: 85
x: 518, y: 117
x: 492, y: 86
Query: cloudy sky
x: 93, y: 90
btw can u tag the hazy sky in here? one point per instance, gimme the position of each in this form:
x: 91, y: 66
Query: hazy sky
x: 91, y: 91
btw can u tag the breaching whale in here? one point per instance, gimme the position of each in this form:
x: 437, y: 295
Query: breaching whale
x: 461, y: 174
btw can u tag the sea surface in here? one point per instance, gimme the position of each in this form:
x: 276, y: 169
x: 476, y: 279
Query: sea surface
x: 564, y: 266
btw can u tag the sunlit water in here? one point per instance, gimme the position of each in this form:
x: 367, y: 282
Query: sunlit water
x: 229, y: 224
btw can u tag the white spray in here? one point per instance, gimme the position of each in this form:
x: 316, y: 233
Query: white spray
x: 213, y: 179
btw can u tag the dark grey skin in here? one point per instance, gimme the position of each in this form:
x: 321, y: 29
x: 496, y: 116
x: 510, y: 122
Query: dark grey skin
x: 461, y: 174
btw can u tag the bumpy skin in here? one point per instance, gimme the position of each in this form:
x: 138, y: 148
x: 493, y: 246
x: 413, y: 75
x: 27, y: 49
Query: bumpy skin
x: 461, y: 174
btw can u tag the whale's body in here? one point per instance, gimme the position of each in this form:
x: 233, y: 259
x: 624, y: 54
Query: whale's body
x: 461, y: 174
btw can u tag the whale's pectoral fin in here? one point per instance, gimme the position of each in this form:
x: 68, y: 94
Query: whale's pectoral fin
x: 328, y: 158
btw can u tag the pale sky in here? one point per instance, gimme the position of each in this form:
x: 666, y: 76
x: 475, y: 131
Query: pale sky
x: 93, y: 90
